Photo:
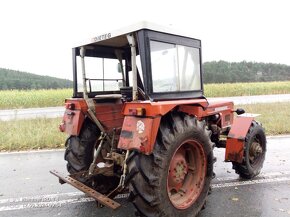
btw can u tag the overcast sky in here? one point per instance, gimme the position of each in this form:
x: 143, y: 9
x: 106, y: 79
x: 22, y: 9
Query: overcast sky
x: 37, y: 35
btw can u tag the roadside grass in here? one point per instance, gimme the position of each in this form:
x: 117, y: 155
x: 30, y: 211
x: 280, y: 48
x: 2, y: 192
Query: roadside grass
x: 33, y: 134
x: 43, y: 133
x: 13, y: 99
x: 275, y: 117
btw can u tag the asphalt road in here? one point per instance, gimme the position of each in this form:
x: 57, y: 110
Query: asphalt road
x: 52, y: 112
x: 28, y: 189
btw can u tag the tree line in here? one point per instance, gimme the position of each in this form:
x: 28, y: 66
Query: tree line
x: 231, y: 72
x: 214, y: 72
x: 11, y: 79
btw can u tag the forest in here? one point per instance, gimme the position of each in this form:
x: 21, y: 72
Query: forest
x: 214, y: 72
x: 11, y: 80
x: 232, y: 72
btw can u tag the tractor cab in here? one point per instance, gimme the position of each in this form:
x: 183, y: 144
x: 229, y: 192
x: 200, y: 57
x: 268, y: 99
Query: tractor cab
x: 142, y: 62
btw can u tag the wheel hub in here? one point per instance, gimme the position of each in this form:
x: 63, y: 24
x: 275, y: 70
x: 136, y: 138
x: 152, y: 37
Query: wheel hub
x: 186, y: 174
x: 256, y: 149
x: 178, y: 169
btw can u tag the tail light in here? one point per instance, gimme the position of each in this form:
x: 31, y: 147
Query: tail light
x: 137, y: 111
x: 70, y: 106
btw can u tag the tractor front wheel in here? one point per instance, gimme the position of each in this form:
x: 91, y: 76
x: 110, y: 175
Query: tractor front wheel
x: 254, y: 152
x: 175, y: 179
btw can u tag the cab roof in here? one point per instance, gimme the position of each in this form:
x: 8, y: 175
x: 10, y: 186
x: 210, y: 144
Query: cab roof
x: 117, y: 38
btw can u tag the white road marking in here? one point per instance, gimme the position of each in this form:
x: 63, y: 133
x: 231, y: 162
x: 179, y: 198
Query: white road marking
x: 61, y: 199
x: 41, y: 198
x: 261, y: 176
x: 251, y: 182
x: 46, y: 201
x: 45, y: 204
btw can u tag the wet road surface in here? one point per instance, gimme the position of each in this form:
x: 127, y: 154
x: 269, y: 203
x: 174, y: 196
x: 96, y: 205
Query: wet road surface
x: 28, y: 189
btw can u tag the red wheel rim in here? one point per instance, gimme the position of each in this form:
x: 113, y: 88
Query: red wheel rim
x: 186, y: 174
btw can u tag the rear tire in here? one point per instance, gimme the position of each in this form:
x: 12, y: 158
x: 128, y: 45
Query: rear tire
x: 80, y: 149
x: 182, y: 158
x: 254, y: 153
x: 79, y: 155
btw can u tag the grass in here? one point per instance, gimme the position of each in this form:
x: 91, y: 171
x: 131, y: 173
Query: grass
x: 246, y: 89
x: 11, y: 99
x: 31, y: 134
x: 275, y: 117
x: 44, y: 134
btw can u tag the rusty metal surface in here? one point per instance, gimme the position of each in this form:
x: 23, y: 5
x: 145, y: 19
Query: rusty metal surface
x: 102, y: 199
x: 110, y: 115
x: 73, y: 119
x: 139, y: 133
x: 72, y: 122
x: 187, y: 174
x: 236, y: 139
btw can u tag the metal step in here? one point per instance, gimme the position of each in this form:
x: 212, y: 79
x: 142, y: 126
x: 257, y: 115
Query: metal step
x: 102, y: 199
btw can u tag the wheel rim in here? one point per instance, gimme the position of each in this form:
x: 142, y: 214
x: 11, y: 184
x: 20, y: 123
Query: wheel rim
x: 186, y: 174
x: 256, y: 151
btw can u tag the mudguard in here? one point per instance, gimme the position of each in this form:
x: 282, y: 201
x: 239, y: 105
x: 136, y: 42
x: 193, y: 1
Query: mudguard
x: 236, y: 139
x: 72, y: 122
x: 139, y: 133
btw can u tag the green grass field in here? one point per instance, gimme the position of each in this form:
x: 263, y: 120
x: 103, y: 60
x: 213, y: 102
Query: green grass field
x: 44, y: 134
x: 31, y: 134
x: 12, y: 99
x: 45, y: 98
x: 275, y: 117
x: 246, y: 89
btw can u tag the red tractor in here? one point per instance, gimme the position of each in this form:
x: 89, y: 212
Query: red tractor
x: 138, y: 122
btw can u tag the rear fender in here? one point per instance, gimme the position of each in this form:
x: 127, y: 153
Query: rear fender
x: 236, y: 139
x: 72, y: 122
x: 139, y: 133
x: 73, y: 118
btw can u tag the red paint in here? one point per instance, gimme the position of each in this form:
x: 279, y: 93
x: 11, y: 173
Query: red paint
x: 72, y: 122
x: 197, y: 107
x: 135, y: 137
x: 154, y: 109
x: 186, y: 174
x: 109, y: 114
x: 236, y: 139
x: 224, y: 109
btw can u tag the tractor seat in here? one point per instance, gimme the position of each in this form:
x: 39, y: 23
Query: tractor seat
x: 109, y: 96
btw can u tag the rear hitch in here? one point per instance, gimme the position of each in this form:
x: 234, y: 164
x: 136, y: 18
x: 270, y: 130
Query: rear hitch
x: 100, y: 198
